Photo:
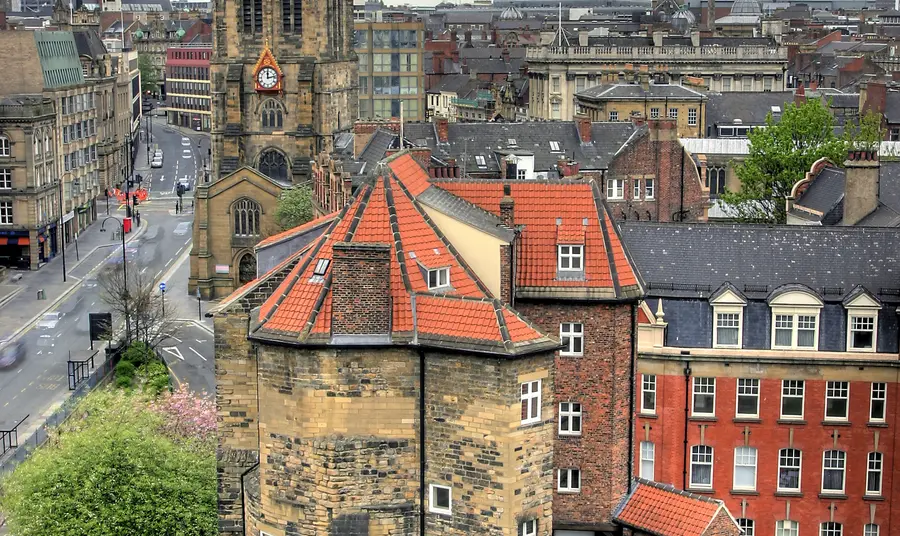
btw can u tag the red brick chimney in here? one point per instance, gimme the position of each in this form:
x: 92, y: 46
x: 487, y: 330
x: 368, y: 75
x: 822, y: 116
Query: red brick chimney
x: 361, y: 289
x: 507, y: 216
x: 583, y: 124
x: 567, y: 168
x: 872, y: 97
x: 442, y: 125
x: 437, y: 62
x: 799, y: 95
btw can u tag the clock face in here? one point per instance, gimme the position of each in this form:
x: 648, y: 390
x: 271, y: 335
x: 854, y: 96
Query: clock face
x: 267, y: 77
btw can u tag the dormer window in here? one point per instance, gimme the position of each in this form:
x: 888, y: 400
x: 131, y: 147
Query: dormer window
x: 479, y: 159
x: 728, y: 315
x: 438, y: 278
x: 795, y: 320
x: 571, y: 258
x: 511, y: 142
x: 862, y: 321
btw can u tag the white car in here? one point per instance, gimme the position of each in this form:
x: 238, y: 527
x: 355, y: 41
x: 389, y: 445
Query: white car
x: 182, y: 229
x: 186, y: 153
x: 156, y: 163
x: 186, y: 142
x: 50, y: 320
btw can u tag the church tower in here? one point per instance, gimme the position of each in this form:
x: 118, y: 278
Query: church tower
x: 277, y: 125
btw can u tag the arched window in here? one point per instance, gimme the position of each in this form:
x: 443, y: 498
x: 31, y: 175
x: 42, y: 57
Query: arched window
x: 273, y: 165
x: 36, y: 140
x: 272, y: 115
x: 4, y: 146
x: 247, y: 269
x: 246, y: 218
x: 715, y: 181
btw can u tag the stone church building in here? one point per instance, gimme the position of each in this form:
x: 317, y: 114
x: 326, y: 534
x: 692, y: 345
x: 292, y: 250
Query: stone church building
x: 284, y: 81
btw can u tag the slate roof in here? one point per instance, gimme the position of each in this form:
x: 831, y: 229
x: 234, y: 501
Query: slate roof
x: 465, y: 317
x: 376, y: 147
x: 89, y: 44
x: 692, y: 260
x: 661, y: 509
x: 892, y: 107
x: 468, y: 140
x: 300, y: 229
x: 825, y: 195
x: 636, y: 91
x: 750, y: 107
x: 451, y: 83
x: 549, y: 213
x: 824, y: 191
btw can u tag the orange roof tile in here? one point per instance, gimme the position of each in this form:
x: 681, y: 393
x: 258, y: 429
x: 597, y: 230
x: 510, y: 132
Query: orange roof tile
x: 387, y: 213
x: 300, y: 229
x: 414, y: 177
x: 661, y: 509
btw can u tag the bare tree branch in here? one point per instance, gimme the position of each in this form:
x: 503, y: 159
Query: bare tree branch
x: 140, y: 303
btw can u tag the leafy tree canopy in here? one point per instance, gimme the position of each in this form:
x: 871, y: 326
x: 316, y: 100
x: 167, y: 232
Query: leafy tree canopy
x: 149, y: 74
x: 780, y: 155
x: 118, y: 467
x: 295, y: 207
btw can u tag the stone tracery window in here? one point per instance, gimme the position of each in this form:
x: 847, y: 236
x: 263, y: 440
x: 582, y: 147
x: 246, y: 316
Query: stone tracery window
x: 246, y: 218
x: 247, y: 269
x: 272, y: 115
x: 273, y: 164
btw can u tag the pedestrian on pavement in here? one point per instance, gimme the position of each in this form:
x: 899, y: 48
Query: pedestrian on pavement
x: 176, y: 207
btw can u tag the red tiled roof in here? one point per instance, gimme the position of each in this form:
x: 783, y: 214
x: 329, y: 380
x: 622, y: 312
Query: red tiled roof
x: 386, y: 213
x: 414, y: 177
x: 300, y: 229
x: 660, y: 509
x: 553, y: 213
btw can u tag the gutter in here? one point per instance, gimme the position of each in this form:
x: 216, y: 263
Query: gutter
x: 687, y: 400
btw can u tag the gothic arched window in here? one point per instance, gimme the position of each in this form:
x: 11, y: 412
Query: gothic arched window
x: 272, y: 115
x: 247, y: 269
x: 273, y: 165
x: 246, y: 218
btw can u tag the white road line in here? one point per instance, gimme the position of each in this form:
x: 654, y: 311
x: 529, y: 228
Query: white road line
x: 59, y: 335
x: 198, y: 353
x: 157, y: 274
x: 168, y: 263
x: 174, y: 351
x: 179, y: 251
x: 176, y: 338
x: 144, y: 269
x: 92, y: 303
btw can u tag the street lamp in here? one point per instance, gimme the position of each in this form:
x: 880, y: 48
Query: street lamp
x: 124, y: 270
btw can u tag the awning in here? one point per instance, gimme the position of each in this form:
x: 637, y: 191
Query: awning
x: 24, y: 241
x: 3, y: 241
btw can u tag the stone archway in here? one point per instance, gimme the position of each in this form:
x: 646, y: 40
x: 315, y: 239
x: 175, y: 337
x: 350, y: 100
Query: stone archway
x: 273, y: 164
x: 247, y: 268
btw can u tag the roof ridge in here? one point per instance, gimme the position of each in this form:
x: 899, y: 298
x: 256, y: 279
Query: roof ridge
x: 672, y: 489
x: 607, y: 242
x: 395, y: 232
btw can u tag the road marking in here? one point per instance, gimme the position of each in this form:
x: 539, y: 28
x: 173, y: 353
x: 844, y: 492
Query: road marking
x: 200, y: 341
x: 176, y: 338
x: 198, y: 353
x: 23, y: 390
x: 4, y: 405
x: 19, y: 372
x: 39, y: 353
x: 157, y: 274
x: 144, y: 269
x: 177, y: 253
x: 174, y: 351
x: 168, y: 263
x: 30, y: 384
x: 58, y: 336
x: 92, y: 303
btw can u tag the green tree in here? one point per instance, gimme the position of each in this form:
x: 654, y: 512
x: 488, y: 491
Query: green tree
x: 114, y: 469
x: 780, y: 155
x: 870, y: 132
x: 149, y: 74
x: 295, y: 207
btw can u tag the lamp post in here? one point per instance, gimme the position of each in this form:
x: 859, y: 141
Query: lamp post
x: 124, y: 271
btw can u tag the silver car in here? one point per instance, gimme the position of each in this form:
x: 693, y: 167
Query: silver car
x: 182, y: 229
x: 50, y: 320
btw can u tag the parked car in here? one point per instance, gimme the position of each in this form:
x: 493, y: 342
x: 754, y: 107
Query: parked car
x: 90, y: 281
x: 50, y: 320
x: 11, y: 351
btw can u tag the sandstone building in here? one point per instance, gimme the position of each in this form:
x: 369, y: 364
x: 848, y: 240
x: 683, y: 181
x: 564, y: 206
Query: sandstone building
x: 383, y: 376
x: 284, y: 81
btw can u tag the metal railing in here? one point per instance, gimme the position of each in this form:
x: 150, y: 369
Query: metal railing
x: 663, y: 53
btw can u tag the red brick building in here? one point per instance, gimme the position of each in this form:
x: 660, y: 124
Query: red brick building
x: 768, y: 372
x: 187, y: 86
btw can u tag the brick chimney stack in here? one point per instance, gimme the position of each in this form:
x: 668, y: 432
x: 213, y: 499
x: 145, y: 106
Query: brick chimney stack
x: 583, y: 124
x: 508, y: 217
x: 872, y: 97
x: 567, y: 168
x: 361, y: 289
x: 861, y: 185
x: 442, y: 125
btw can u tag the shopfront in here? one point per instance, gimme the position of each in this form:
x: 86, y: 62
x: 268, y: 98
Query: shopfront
x: 15, y: 249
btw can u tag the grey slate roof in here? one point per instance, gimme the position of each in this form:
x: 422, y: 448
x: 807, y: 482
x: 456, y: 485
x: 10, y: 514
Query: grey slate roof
x: 89, y: 44
x: 684, y: 260
x: 750, y: 107
x: 892, y: 107
x: 825, y: 191
x: 377, y: 146
x: 447, y: 203
x: 826, y: 195
x: 490, y: 139
x: 636, y: 91
x: 451, y: 83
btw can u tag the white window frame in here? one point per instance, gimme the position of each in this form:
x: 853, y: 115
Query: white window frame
x: 835, y: 457
x: 875, y: 466
x: 554, y: 146
x: 707, y: 451
x: 440, y: 277
x: 743, y: 459
x: 703, y: 382
x: 871, y: 529
x: 878, y: 392
x: 853, y: 315
x: 795, y: 319
x: 570, y: 253
x: 530, y: 391
x: 648, y: 456
x: 480, y: 161
x: 793, y: 386
x: 787, y: 527
x: 692, y: 117
x: 781, y: 466
x: 720, y: 310
x: 572, y: 411
x: 528, y: 528
x: 649, y: 189
x: 615, y: 188
x: 654, y: 113
x: 5, y: 147
x: 572, y: 336
x: 432, y: 500
x: 6, y: 213
x: 648, y: 385
x: 521, y: 174
x: 673, y: 113
x: 831, y: 528
x: 746, y: 387
x: 636, y: 189
x: 748, y: 526
x: 5, y: 178
x: 837, y: 390
x: 570, y: 472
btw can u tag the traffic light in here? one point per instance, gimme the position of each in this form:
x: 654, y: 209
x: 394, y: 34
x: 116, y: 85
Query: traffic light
x: 134, y: 200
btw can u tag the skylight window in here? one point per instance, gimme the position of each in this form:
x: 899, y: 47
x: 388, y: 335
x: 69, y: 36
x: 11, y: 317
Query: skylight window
x: 554, y: 146
x: 479, y: 159
x: 321, y: 267
x: 511, y: 142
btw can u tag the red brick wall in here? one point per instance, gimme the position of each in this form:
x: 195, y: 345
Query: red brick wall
x: 599, y: 380
x: 722, y: 525
x: 768, y: 437
x: 361, y: 293
x: 658, y: 155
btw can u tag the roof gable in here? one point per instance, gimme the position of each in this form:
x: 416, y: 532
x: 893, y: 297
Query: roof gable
x: 661, y: 509
x: 728, y: 294
x: 861, y: 298
x: 238, y: 176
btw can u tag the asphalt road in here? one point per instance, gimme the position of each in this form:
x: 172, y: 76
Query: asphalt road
x: 39, y: 381
x: 184, y: 152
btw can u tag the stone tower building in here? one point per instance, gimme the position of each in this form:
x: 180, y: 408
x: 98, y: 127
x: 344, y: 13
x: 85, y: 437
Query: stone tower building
x: 277, y: 125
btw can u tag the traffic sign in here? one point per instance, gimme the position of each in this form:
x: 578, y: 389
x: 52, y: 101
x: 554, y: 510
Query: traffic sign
x: 162, y: 287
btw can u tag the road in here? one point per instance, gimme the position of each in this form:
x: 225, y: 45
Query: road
x: 38, y: 383
x: 184, y: 152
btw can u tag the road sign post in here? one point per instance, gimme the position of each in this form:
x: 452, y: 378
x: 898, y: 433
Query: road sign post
x: 162, y: 290
x: 199, y: 307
